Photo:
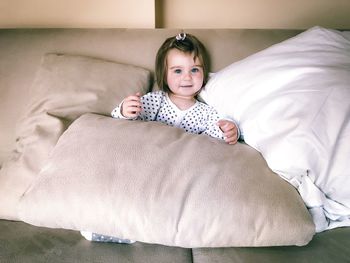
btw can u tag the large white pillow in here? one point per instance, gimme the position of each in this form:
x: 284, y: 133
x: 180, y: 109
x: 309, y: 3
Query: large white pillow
x: 292, y: 103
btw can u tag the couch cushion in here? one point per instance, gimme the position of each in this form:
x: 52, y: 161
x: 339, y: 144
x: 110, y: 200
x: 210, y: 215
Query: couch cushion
x: 158, y: 184
x: 20, y: 242
x: 329, y: 246
x: 65, y: 87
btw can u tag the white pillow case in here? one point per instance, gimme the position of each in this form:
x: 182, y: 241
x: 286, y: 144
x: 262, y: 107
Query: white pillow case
x: 292, y: 102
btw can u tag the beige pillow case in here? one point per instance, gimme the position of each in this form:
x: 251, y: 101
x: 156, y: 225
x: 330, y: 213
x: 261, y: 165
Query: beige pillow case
x: 154, y: 183
x: 65, y: 87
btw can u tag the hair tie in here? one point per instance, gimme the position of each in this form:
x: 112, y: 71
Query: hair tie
x: 181, y: 37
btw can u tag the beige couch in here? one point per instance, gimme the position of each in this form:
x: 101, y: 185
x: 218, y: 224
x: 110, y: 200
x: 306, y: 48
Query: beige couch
x: 21, y: 51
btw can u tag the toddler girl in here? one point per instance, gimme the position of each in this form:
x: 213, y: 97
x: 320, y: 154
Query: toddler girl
x: 182, y: 68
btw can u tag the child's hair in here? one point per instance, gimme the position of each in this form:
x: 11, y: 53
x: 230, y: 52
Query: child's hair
x: 186, y: 43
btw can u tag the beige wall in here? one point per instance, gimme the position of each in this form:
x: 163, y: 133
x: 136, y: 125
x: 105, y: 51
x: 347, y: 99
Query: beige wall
x: 297, y: 14
x: 77, y: 13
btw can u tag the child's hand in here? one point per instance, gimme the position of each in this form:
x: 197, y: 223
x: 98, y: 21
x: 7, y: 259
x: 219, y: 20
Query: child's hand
x: 230, y: 131
x: 131, y: 106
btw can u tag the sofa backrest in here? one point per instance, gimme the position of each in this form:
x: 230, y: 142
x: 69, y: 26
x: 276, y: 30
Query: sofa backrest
x: 21, y: 51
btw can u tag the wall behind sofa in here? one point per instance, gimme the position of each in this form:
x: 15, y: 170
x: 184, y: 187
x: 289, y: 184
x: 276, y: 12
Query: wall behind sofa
x: 296, y: 14
x: 77, y: 13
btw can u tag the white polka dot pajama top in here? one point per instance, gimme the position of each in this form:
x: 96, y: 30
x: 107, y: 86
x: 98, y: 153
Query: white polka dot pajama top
x: 156, y: 106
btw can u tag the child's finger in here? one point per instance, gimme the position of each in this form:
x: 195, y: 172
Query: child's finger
x: 133, y: 98
x: 133, y: 111
x: 230, y: 133
x: 231, y: 140
x: 221, y: 124
x: 132, y: 103
x: 225, y: 126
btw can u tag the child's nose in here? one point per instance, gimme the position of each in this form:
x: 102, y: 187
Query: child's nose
x: 187, y: 76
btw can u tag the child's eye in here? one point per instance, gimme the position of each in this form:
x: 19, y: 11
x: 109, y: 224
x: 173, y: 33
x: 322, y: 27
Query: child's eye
x: 177, y: 71
x: 195, y: 70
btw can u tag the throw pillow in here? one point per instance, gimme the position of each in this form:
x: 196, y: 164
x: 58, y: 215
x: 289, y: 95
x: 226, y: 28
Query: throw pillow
x: 66, y: 86
x: 154, y: 183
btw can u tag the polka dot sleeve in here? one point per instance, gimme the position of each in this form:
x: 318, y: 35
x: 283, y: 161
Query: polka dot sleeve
x: 211, y: 127
x: 116, y: 112
x: 151, y: 103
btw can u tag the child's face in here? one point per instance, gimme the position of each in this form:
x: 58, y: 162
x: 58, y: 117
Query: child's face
x: 184, y: 73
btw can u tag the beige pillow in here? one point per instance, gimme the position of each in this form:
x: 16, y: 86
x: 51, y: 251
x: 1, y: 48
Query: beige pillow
x: 155, y: 183
x: 65, y: 87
